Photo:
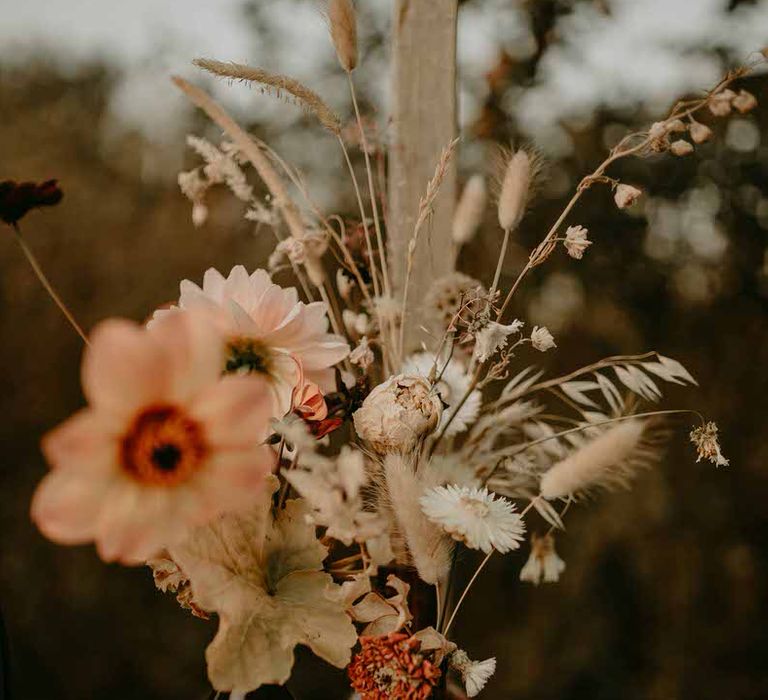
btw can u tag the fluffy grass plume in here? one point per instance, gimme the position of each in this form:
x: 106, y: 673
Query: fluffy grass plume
x: 606, y: 461
x: 517, y: 173
x: 342, y: 20
x: 281, y: 84
x: 429, y: 547
x: 470, y: 210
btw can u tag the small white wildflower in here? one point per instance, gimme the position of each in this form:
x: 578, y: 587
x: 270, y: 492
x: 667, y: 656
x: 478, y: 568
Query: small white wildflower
x: 720, y: 104
x: 261, y: 214
x: 700, y: 132
x: 344, y: 284
x: 474, y: 516
x: 493, y: 337
x: 192, y: 185
x: 362, y: 355
x: 356, y: 324
x: 199, y: 214
x: 744, y: 102
x: 543, y: 564
x: 295, y: 433
x: 576, y: 241
x: 626, y: 196
x: 681, y: 147
x: 474, y: 674
x: 542, y: 339
x: 707, y: 444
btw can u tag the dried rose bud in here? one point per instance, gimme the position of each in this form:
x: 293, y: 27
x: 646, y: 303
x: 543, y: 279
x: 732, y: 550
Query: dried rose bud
x: 398, y: 413
x: 720, y: 104
x: 681, y: 148
x: 700, y: 132
x: 626, y: 196
x: 744, y: 102
x: 17, y: 198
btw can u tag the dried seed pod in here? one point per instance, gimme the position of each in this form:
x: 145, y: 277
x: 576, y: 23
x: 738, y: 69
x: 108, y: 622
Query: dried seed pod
x: 626, y: 196
x: 681, y: 147
x: 744, y: 102
x: 720, y: 104
x: 700, y: 132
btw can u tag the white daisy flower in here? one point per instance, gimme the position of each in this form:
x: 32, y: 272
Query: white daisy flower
x: 474, y: 674
x: 453, y: 385
x: 474, y: 516
x: 543, y: 564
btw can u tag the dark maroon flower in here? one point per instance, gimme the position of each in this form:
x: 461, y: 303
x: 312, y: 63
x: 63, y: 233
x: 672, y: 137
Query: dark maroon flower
x: 17, y: 198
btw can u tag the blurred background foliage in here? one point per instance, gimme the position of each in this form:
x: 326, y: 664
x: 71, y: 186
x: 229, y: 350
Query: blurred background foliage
x: 665, y: 594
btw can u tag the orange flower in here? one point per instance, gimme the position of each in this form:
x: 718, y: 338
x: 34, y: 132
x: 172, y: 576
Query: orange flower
x: 309, y: 402
x: 392, y: 666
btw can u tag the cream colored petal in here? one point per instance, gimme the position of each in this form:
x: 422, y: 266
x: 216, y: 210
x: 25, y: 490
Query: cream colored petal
x: 66, y: 506
x: 195, y: 351
x: 235, y: 411
x: 124, y: 367
x: 86, y: 442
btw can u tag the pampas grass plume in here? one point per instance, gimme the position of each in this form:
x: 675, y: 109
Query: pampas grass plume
x: 516, y: 176
x: 343, y: 22
x: 597, y: 463
x: 429, y: 546
x: 470, y: 210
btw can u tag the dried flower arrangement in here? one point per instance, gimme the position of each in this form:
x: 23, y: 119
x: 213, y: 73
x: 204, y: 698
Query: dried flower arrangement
x: 314, y: 487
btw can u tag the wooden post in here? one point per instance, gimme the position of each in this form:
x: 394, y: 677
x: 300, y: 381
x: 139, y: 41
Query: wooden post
x: 424, y: 122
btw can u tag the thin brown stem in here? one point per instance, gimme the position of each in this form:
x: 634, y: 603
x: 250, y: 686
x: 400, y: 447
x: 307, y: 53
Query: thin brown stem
x: 38, y: 270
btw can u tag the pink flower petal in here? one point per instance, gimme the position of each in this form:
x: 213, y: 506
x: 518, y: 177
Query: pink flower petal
x: 66, y: 506
x: 195, y: 350
x: 235, y: 412
x: 124, y: 367
x: 85, y: 442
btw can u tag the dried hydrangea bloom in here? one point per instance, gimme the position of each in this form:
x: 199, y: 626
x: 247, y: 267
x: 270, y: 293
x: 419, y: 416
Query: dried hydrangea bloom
x: 543, y: 564
x: 453, y: 384
x: 474, y: 516
x: 398, y: 413
x: 392, y: 667
x: 474, y: 674
x: 269, y: 331
x: 165, y: 444
x: 707, y: 444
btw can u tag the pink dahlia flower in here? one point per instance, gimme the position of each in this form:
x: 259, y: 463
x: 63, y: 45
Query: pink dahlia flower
x: 165, y: 443
x: 268, y: 330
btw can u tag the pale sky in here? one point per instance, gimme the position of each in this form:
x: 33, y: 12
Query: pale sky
x: 646, y: 50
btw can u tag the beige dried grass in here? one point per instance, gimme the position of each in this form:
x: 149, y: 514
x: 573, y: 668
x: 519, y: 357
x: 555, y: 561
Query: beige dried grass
x: 281, y: 84
x: 342, y: 20
x: 607, y: 461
